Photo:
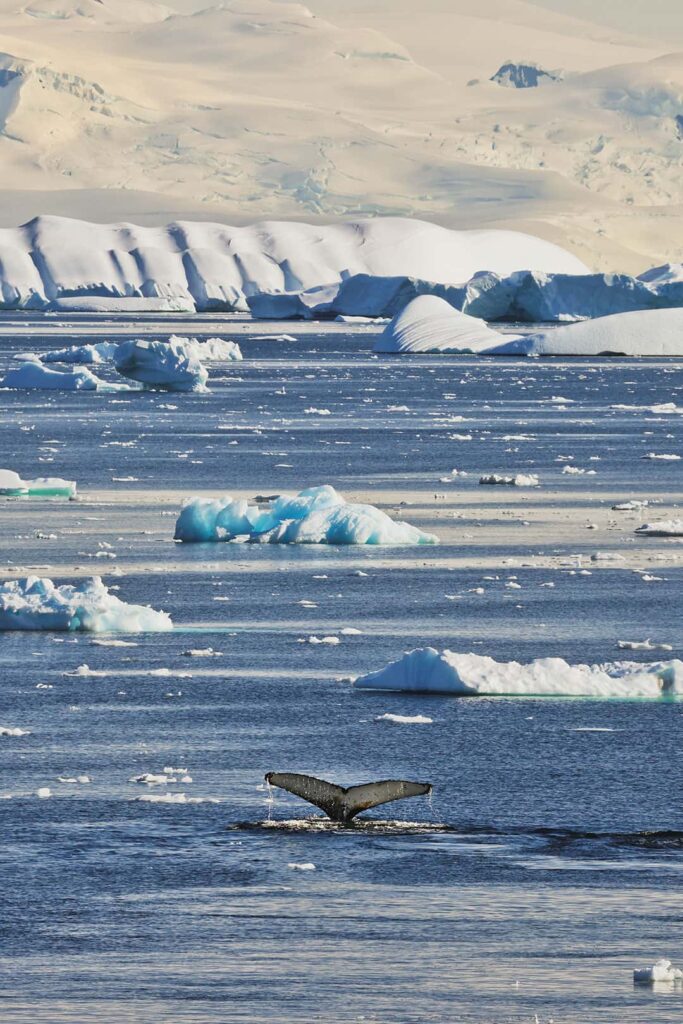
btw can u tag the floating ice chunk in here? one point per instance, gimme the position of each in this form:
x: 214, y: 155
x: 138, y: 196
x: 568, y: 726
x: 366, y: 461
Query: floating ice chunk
x: 12, y: 485
x: 209, y: 350
x: 317, y: 515
x: 629, y: 506
x: 577, y: 471
x: 425, y: 670
x: 34, y: 603
x: 404, y: 719
x: 81, y: 780
x: 430, y: 324
x: 9, y: 731
x: 518, y: 480
x: 168, y: 365
x: 645, y: 332
x: 34, y: 376
x: 303, y: 866
x: 642, y: 645
x: 663, y: 970
x: 330, y: 640
x: 202, y: 652
x: 665, y: 528
x: 174, y: 798
x: 44, y: 793
x: 150, y: 779
x: 85, y: 354
x: 661, y: 458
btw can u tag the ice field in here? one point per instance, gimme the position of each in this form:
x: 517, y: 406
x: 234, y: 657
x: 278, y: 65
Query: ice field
x: 148, y: 873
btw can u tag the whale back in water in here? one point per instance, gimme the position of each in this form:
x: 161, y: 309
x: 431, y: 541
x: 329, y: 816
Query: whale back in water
x: 342, y: 804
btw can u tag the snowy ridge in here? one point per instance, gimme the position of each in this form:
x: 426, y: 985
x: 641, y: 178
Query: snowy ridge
x: 210, y: 266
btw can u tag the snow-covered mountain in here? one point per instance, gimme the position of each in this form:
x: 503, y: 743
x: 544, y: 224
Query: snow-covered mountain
x: 129, y: 109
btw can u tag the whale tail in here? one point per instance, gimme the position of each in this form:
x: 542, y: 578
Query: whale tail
x: 341, y: 804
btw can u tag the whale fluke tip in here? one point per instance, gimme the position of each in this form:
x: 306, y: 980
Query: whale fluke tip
x: 342, y: 804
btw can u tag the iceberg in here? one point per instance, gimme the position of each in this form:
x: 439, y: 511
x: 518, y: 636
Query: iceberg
x: 663, y: 970
x: 430, y: 324
x: 657, y: 332
x: 34, y: 376
x: 84, y: 354
x: 665, y: 528
x: 518, y: 480
x: 210, y: 350
x: 11, y: 485
x: 169, y: 365
x: 317, y: 515
x: 35, y: 603
x: 425, y: 670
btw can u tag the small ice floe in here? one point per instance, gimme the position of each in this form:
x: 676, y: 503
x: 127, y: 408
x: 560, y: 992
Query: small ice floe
x: 317, y: 412
x: 317, y: 515
x: 167, y: 365
x: 642, y: 645
x: 33, y: 376
x: 303, y: 866
x: 454, y: 474
x: 577, y: 471
x: 44, y: 793
x: 351, y: 631
x: 202, y: 652
x: 427, y: 670
x: 12, y: 485
x: 81, y: 780
x: 35, y: 603
x: 332, y: 640
x: 404, y: 719
x: 83, y: 354
x: 111, y: 642
x: 174, y: 798
x: 629, y: 506
x: 150, y: 779
x: 663, y: 970
x: 518, y: 480
x: 6, y: 730
x: 661, y: 457
x: 666, y: 528
x: 607, y: 556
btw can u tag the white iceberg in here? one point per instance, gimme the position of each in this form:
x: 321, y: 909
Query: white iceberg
x: 32, y: 375
x: 34, y: 603
x: 430, y: 324
x: 652, y: 332
x: 518, y: 480
x: 665, y: 528
x: 425, y: 670
x: 12, y: 485
x: 317, y: 515
x: 169, y: 365
x: 663, y: 970
x: 84, y: 354
x: 209, y: 350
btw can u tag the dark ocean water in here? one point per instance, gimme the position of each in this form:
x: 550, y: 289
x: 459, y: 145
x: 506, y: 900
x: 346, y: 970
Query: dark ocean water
x: 548, y: 863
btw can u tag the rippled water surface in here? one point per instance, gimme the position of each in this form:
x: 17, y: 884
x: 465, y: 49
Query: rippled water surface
x: 548, y: 862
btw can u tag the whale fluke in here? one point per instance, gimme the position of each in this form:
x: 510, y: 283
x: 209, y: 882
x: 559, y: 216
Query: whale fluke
x: 341, y: 804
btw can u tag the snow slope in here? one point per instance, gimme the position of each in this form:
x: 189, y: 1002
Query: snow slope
x: 125, y: 109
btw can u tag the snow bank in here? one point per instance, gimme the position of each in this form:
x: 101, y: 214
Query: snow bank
x: 523, y: 296
x: 76, y: 265
x: 665, y: 528
x: 663, y: 970
x: 34, y: 376
x: 317, y: 515
x: 34, y: 603
x: 430, y: 324
x: 645, y: 333
x: 170, y: 365
x: 12, y: 485
x: 427, y: 671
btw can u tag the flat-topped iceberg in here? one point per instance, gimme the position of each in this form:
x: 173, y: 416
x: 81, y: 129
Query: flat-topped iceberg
x: 168, y: 365
x: 317, y: 515
x: 12, y: 485
x: 35, y: 603
x: 430, y: 324
x: 425, y: 670
x: 33, y: 375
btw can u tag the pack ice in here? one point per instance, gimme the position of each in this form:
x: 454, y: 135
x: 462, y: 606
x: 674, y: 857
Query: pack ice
x: 35, y: 603
x: 425, y: 670
x: 317, y: 515
x: 11, y: 485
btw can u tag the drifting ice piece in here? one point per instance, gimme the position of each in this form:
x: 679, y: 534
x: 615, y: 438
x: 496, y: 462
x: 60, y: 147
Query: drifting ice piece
x: 518, y: 480
x: 35, y: 603
x: 342, y: 804
x: 11, y: 485
x: 34, y: 376
x: 663, y: 970
x: 425, y: 670
x: 666, y: 528
x: 169, y: 365
x: 317, y: 515
x: 210, y: 350
x: 650, y: 332
x: 90, y: 354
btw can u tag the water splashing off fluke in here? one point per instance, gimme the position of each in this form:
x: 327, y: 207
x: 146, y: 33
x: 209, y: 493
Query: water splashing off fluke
x: 341, y: 804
